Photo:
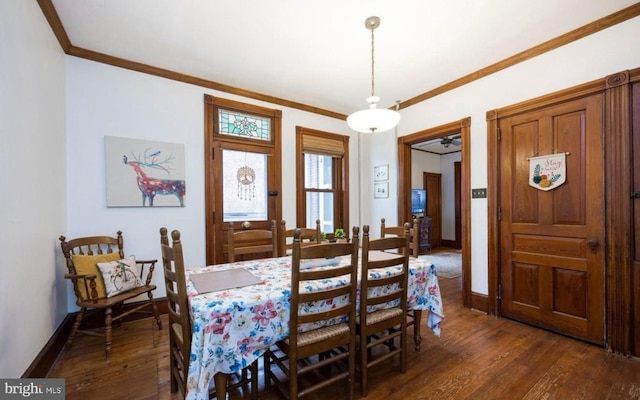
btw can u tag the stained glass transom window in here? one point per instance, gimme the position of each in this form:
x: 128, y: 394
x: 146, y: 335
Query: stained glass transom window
x: 244, y: 125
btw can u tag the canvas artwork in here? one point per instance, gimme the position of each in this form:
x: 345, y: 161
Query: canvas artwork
x: 144, y: 173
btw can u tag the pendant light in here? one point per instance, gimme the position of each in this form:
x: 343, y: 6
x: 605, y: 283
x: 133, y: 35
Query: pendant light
x: 373, y: 119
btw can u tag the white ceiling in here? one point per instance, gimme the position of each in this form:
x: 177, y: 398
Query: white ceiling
x: 318, y: 52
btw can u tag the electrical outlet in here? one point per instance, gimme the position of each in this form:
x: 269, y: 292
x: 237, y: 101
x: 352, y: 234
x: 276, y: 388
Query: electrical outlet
x: 480, y: 193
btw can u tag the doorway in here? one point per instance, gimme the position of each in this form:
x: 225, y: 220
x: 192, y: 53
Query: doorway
x: 462, y: 128
x: 243, y: 175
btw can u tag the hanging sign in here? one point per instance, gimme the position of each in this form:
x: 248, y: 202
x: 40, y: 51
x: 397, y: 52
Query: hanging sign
x: 547, y: 172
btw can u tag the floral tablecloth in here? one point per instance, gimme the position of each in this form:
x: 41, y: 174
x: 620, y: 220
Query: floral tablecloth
x: 232, y: 328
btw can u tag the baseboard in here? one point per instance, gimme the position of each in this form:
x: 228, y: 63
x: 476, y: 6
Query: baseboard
x: 448, y: 243
x: 480, y: 302
x: 93, y: 319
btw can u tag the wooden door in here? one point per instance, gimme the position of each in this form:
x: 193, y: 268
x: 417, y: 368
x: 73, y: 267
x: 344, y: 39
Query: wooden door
x: 635, y: 248
x: 242, y: 171
x: 552, y: 242
x: 433, y: 184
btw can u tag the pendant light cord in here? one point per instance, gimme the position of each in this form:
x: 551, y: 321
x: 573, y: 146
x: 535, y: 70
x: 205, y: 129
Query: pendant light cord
x: 372, y: 62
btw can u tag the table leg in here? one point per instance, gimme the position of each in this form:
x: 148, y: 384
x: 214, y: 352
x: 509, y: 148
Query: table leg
x: 220, y: 380
x: 417, y: 327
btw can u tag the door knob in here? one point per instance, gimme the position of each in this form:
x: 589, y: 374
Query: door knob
x: 593, y: 244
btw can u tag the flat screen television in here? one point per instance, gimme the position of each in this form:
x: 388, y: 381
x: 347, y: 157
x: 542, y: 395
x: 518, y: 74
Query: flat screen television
x: 418, y: 202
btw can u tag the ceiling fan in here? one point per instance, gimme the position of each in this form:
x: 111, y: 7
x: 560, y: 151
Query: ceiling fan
x: 446, y: 141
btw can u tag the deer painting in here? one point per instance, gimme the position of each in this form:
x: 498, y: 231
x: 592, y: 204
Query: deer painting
x: 150, y: 187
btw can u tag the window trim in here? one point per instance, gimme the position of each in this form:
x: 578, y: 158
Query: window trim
x: 325, y: 143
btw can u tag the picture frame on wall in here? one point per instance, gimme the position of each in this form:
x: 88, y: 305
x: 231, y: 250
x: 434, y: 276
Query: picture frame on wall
x: 381, y: 190
x: 381, y: 173
x: 144, y: 173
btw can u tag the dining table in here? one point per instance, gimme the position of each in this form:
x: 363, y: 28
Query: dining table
x: 240, y: 309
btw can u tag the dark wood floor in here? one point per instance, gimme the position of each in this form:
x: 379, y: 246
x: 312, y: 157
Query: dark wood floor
x: 476, y: 357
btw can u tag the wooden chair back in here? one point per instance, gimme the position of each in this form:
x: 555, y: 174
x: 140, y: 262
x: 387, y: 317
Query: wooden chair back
x: 181, y: 327
x: 399, y: 231
x: 252, y: 243
x: 335, y: 341
x: 383, y: 283
x: 307, y: 236
x: 94, y: 249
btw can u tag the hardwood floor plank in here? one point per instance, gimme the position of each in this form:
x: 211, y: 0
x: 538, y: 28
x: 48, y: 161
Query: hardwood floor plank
x: 477, y: 357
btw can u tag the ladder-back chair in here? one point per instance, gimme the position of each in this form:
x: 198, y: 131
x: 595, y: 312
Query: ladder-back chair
x: 317, y: 358
x: 383, y: 302
x: 180, y: 325
x: 252, y: 243
x: 308, y: 236
x: 399, y: 231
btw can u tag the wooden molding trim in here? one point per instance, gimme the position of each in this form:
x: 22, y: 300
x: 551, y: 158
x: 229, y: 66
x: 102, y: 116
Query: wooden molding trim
x: 45, y: 359
x: 608, y: 21
x: 480, y: 302
x: 618, y: 215
x: 462, y: 127
x: 448, y: 243
x: 53, y: 19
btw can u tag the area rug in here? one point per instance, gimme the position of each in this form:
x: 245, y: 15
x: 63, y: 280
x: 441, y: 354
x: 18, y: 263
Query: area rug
x: 448, y: 263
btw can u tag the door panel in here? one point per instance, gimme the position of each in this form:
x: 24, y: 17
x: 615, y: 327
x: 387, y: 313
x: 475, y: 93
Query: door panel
x: 433, y: 184
x: 552, y: 258
x: 245, y: 180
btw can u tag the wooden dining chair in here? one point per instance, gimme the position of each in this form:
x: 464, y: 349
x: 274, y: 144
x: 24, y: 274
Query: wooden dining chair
x: 103, y: 279
x: 308, y: 236
x: 252, y: 243
x: 324, y: 355
x: 180, y: 325
x: 383, y: 302
x: 399, y: 231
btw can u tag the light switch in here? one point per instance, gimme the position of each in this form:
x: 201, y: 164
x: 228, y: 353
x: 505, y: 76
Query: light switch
x: 480, y: 193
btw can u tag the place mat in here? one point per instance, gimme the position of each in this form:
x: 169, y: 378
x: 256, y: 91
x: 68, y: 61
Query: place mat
x: 224, y: 279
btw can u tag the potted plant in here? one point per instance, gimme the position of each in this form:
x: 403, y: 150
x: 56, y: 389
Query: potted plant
x: 323, y: 237
x: 339, y: 235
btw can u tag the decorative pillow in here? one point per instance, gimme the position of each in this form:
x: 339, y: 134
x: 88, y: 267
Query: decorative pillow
x: 88, y: 265
x: 120, y: 275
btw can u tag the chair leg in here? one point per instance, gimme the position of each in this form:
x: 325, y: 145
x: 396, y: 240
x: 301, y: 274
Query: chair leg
x: 173, y: 364
x: 154, y: 306
x: 254, y: 380
x: 267, y: 370
x: 364, y: 359
x: 293, y: 379
x: 76, y: 325
x: 107, y: 333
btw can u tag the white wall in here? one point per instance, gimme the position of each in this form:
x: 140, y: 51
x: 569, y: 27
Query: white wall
x: 32, y: 165
x: 107, y: 101
x: 423, y: 162
x: 606, y: 52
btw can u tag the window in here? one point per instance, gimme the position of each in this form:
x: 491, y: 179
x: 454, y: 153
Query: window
x: 322, y: 159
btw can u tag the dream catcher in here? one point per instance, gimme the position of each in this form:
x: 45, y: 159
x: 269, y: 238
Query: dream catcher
x: 246, y: 181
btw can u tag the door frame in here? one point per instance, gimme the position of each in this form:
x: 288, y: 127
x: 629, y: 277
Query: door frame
x: 462, y: 127
x: 215, y: 245
x: 617, y: 175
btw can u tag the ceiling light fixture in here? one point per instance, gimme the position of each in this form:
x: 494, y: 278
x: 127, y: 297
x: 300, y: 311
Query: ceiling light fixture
x: 373, y: 119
